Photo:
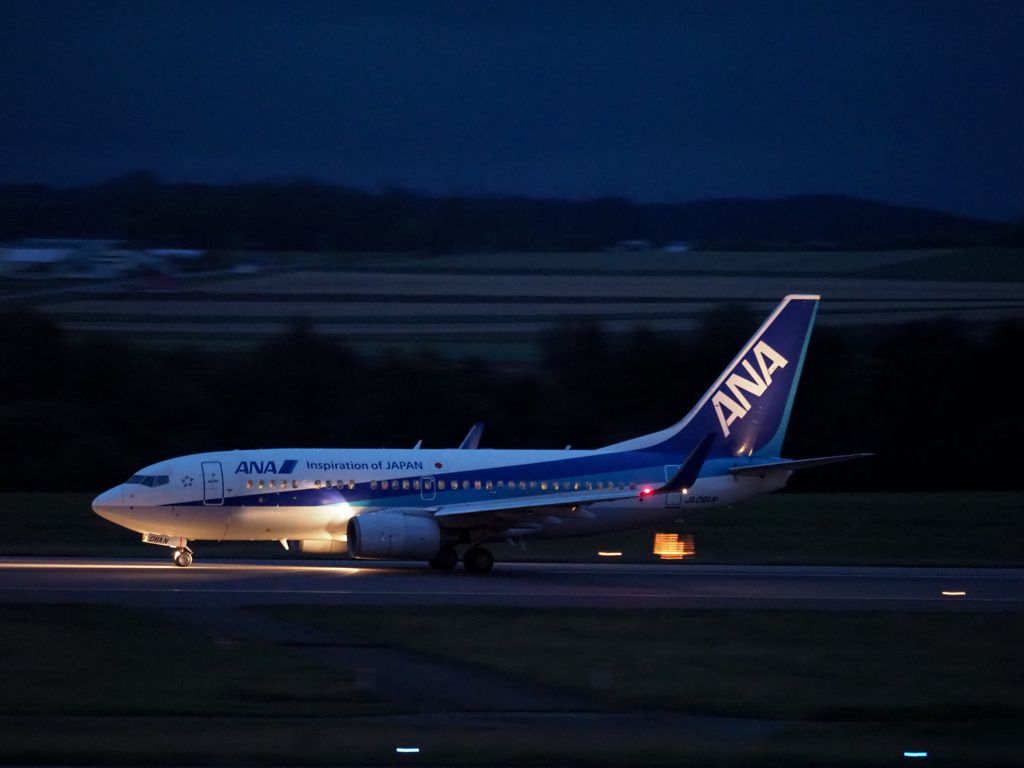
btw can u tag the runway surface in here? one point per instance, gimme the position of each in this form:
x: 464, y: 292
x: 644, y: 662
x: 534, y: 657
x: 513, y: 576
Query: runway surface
x: 212, y: 584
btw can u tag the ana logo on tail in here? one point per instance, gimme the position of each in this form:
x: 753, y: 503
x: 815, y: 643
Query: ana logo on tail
x: 755, y: 385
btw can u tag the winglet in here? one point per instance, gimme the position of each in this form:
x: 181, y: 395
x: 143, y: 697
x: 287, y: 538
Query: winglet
x: 686, y: 475
x: 472, y: 441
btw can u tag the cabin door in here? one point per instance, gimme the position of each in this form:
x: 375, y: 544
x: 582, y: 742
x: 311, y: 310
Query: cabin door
x: 213, y: 483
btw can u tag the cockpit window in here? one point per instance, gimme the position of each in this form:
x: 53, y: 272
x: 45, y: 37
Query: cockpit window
x: 150, y: 481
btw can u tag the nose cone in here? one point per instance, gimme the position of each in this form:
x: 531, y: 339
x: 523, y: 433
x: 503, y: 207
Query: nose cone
x: 108, y: 503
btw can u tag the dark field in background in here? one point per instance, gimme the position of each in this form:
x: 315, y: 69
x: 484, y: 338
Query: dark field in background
x: 936, y: 401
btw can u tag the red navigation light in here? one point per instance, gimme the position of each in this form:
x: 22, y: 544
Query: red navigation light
x: 647, y: 491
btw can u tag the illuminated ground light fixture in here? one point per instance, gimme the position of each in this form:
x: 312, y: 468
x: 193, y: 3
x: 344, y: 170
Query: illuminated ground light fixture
x: 669, y: 546
x: 407, y: 750
x: 915, y: 754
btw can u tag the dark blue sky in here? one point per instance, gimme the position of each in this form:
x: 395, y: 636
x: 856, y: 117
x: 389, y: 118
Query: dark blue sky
x: 919, y: 103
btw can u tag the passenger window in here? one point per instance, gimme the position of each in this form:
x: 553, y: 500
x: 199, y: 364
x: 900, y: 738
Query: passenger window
x: 533, y: 485
x: 544, y: 485
x: 405, y: 485
x: 295, y: 483
x: 590, y: 485
x: 522, y: 485
x: 273, y: 483
x: 248, y: 483
x: 476, y: 484
x: 316, y: 484
x: 261, y: 483
x: 555, y: 484
x: 632, y: 485
x: 373, y: 485
x: 489, y: 485
x: 440, y: 485
x: 351, y: 485
x: 501, y: 484
x: 383, y: 485
x: 415, y: 485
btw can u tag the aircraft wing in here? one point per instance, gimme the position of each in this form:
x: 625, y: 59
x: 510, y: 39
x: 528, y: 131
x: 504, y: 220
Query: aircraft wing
x: 573, y: 503
x: 570, y: 503
x: 756, y: 469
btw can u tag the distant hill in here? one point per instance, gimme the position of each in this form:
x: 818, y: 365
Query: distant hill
x: 827, y: 221
x: 310, y: 216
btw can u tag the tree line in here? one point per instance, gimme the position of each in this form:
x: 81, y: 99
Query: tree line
x: 313, y: 216
x: 940, y: 406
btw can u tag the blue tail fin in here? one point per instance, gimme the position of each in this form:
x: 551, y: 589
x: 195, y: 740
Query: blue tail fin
x: 748, y: 407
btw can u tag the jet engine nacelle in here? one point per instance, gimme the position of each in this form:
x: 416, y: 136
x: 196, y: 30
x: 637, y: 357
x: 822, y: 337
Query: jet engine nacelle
x: 393, y: 536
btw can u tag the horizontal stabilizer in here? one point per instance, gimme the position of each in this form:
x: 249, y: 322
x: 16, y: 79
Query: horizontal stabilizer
x: 757, y: 469
x: 686, y: 475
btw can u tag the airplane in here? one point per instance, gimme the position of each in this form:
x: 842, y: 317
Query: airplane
x: 426, y: 504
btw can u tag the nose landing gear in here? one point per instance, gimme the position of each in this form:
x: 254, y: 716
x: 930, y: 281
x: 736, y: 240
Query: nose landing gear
x: 183, y: 557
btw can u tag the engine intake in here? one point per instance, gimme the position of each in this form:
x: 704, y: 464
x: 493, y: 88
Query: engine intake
x: 393, y: 536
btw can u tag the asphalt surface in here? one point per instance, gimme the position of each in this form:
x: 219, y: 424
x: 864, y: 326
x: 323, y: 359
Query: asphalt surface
x: 226, y: 584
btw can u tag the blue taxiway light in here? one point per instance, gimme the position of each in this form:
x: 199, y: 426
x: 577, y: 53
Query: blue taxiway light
x: 407, y: 749
x: 915, y: 754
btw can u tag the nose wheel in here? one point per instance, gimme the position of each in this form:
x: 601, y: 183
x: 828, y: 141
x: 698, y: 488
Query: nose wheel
x: 183, y: 557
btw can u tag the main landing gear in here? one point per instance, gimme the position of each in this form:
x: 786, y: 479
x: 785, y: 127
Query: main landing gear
x: 183, y: 557
x: 478, y: 560
x: 446, y: 559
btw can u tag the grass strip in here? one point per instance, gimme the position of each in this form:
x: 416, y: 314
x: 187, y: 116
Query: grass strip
x: 90, y: 685
x: 329, y: 741
x: 781, y: 665
x: 78, y: 660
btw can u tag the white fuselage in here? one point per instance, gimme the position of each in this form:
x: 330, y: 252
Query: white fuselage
x: 422, y: 503
x: 310, y: 494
